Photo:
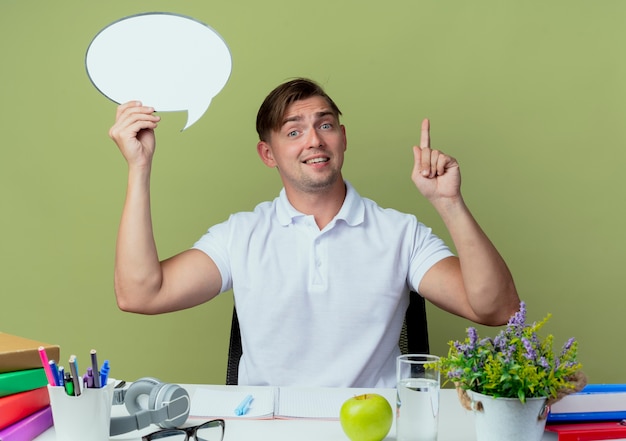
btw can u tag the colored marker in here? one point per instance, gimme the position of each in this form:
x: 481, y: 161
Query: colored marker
x: 104, y: 373
x: 46, y: 365
x: 88, y: 379
x: 61, y: 376
x: 55, y: 372
x: 244, y: 406
x: 69, y: 385
x: 94, y: 369
x: 75, y: 377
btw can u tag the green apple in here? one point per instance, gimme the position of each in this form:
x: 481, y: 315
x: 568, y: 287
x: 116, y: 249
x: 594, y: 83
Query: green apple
x: 366, y: 417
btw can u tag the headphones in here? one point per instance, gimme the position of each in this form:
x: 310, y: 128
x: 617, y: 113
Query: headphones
x: 149, y: 401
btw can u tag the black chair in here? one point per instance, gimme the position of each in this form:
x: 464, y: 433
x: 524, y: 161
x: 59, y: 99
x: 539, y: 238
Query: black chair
x: 413, y: 338
x: 234, y: 351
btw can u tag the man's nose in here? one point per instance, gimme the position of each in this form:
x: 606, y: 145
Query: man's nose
x: 314, y: 139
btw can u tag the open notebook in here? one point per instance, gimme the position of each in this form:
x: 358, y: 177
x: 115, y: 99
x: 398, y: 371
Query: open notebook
x: 278, y: 402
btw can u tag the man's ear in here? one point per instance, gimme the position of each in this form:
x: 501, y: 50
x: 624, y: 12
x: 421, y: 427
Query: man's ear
x: 265, y: 153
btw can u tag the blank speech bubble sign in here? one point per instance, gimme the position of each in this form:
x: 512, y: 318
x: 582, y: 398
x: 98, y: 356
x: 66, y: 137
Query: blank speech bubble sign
x: 166, y: 61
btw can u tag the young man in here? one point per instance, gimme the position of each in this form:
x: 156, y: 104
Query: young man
x: 320, y: 275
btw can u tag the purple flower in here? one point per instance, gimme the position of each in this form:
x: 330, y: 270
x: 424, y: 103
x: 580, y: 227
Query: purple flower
x: 517, y: 322
x: 535, y: 339
x: 456, y: 373
x: 461, y: 348
x: 567, y: 346
x: 500, y: 342
x: 473, y: 337
x: 519, y: 318
x: 530, y: 354
x: 508, y: 353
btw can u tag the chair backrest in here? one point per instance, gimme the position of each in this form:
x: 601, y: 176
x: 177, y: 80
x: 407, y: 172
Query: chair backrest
x: 414, y: 335
x: 234, y: 351
x: 413, y: 338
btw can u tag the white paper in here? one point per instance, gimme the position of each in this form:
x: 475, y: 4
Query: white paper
x: 278, y: 403
x: 214, y: 403
x: 319, y: 403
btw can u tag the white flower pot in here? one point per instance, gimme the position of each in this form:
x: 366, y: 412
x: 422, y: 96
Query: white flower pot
x: 500, y: 419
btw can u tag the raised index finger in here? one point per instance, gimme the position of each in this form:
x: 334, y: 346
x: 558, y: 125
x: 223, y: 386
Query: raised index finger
x: 425, y: 138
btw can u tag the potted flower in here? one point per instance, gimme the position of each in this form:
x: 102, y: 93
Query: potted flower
x: 517, y: 370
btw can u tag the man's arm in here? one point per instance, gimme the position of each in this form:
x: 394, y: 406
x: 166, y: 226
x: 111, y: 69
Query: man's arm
x: 477, y: 285
x: 143, y: 284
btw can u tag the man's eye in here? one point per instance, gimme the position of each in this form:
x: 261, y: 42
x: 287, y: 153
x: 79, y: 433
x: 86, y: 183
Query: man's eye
x: 292, y: 133
x: 326, y: 126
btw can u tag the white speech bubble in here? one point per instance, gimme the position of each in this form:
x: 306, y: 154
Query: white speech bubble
x: 167, y: 61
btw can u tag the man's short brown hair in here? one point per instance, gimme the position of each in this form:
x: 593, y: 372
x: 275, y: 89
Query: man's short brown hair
x: 272, y: 111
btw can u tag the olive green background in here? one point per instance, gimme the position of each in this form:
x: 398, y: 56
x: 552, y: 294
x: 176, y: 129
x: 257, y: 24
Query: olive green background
x: 529, y: 96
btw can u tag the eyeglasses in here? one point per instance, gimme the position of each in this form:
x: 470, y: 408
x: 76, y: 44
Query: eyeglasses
x: 210, y: 431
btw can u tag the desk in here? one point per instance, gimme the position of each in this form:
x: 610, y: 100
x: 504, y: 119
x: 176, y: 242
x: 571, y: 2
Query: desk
x: 455, y: 424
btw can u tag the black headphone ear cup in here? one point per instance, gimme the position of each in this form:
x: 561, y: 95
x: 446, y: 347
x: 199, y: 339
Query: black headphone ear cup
x: 174, y: 396
x: 142, y: 387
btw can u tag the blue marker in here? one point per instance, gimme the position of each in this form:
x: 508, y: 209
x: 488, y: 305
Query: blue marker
x: 61, y: 376
x: 104, y: 373
x: 55, y: 373
x: 242, y: 409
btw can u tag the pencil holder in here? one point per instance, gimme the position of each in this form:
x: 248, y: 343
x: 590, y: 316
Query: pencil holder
x: 86, y: 417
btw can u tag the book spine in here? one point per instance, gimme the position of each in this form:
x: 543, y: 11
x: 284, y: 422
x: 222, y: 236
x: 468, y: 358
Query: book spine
x: 18, y: 406
x: 18, y: 354
x: 29, y: 428
x: 21, y: 381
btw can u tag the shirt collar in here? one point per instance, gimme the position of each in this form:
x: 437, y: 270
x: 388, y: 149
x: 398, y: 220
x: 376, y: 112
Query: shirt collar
x: 352, y: 210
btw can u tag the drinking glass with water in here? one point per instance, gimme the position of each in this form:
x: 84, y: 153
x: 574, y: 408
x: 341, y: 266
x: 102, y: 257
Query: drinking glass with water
x: 417, y: 412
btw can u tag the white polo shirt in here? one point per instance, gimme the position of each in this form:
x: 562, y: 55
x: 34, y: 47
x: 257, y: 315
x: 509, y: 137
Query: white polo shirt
x: 321, y: 308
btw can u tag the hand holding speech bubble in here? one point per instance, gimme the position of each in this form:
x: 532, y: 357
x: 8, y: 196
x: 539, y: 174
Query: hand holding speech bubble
x: 166, y: 61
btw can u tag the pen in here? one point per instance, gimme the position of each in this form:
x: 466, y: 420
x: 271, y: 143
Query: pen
x: 244, y: 406
x: 55, y: 372
x: 75, y: 377
x: 46, y: 365
x: 94, y: 368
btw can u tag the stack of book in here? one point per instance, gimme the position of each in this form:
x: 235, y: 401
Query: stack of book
x: 598, y: 412
x: 24, y: 401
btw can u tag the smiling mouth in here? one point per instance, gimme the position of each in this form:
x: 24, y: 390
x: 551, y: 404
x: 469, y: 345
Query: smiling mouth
x: 316, y: 160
